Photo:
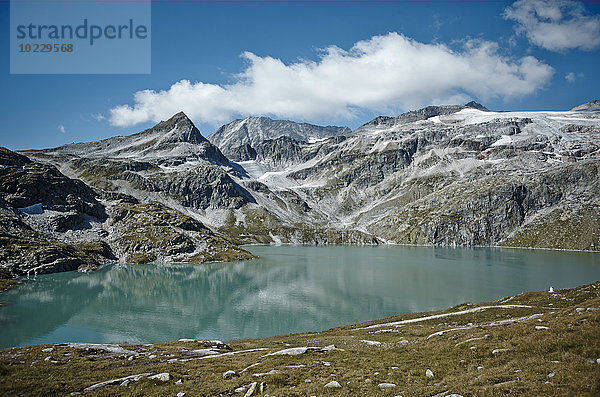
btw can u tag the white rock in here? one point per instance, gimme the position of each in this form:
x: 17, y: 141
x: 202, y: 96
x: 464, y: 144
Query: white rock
x: 551, y: 289
x: 333, y: 385
x: 240, y: 389
x: 386, y: 385
x: 163, y: 376
x: 307, y: 380
x: 229, y: 374
x: 271, y: 372
x: 551, y: 375
x: 48, y: 350
x: 251, y: 389
x: 579, y: 309
x: 370, y: 342
x: 496, y: 351
x: 181, y: 394
x: 394, y: 368
x: 263, y: 387
x: 179, y: 382
x: 598, y: 361
x: 429, y: 373
x: 479, y: 368
x: 538, y: 327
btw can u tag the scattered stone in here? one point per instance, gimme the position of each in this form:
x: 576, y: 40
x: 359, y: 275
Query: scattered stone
x: 51, y: 359
x: 479, y: 368
x: 579, y: 309
x: 386, y: 385
x: 271, y: 372
x: 496, y: 351
x: 263, y: 387
x: 294, y: 351
x: 375, y: 373
x: 132, y: 378
x: 48, y: 350
x: 130, y: 358
x: 179, y: 382
x: 326, y: 363
x: 152, y: 356
x: 368, y: 380
x: 517, y: 371
x: 251, y: 389
x: 539, y: 327
x: 333, y: 385
x: 429, y: 373
x: 230, y: 374
x: 181, y: 394
x: 307, y: 380
x: 163, y: 376
x: 598, y: 361
x: 370, y: 342
x: 240, y: 389
x: 551, y: 375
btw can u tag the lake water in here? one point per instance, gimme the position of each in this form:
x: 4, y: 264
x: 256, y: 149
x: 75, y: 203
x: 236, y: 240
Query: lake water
x: 288, y: 289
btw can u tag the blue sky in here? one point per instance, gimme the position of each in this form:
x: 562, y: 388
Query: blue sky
x: 329, y: 62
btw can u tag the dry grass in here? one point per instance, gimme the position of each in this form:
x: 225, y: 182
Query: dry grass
x: 559, y: 360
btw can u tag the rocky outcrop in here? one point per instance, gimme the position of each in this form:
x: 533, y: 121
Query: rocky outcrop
x: 151, y: 232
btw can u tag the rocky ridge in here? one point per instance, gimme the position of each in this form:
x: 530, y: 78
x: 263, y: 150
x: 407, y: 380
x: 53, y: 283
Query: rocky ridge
x: 441, y: 175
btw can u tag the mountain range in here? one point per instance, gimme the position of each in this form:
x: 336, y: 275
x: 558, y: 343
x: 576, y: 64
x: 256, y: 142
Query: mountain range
x: 441, y: 175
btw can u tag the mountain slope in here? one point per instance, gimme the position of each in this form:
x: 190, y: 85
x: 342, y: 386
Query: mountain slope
x: 51, y: 223
x: 441, y: 175
x: 169, y: 142
x: 238, y: 134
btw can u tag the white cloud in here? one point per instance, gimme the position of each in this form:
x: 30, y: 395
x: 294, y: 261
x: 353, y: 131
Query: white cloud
x: 571, y: 77
x: 61, y: 128
x: 98, y: 116
x: 385, y: 73
x: 557, y: 25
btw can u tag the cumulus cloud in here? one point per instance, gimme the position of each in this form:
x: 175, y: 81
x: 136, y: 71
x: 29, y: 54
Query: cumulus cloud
x: 557, y: 25
x: 385, y: 73
x: 61, y: 128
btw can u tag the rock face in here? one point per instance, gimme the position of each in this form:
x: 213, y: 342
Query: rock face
x: 37, y: 205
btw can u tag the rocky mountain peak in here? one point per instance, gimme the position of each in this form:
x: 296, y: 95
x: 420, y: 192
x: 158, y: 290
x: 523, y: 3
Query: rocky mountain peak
x: 254, y: 130
x: 588, y: 106
x: 178, y: 128
x: 476, y: 105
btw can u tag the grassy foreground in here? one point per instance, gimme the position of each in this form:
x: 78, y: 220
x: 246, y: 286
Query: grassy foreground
x: 535, y: 343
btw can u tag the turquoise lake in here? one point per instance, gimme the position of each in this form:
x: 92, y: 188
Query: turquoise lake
x: 288, y: 289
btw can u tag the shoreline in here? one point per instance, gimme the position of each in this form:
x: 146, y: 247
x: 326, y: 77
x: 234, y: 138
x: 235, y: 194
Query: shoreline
x: 534, y: 343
